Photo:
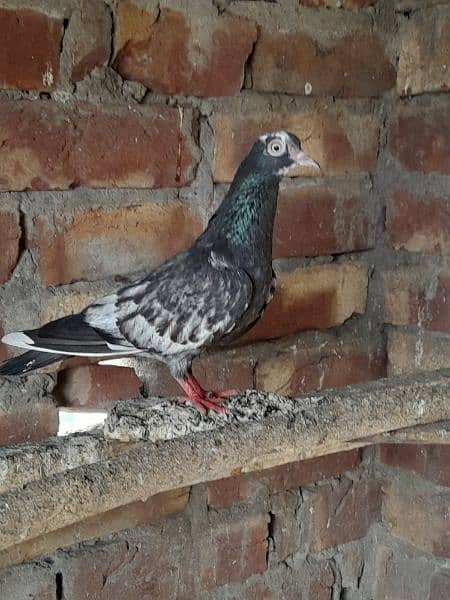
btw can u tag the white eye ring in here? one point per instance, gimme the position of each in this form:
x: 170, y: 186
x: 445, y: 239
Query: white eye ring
x: 276, y: 147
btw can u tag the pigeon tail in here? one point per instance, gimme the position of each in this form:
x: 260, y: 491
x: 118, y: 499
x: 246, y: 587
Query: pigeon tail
x: 29, y: 361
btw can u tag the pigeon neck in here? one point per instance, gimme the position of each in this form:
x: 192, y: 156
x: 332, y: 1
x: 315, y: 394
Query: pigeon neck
x: 247, y: 212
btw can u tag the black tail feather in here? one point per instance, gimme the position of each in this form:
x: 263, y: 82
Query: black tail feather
x: 29, y: 361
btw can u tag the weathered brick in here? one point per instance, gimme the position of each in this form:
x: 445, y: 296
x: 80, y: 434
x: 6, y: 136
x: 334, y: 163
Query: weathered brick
x: 418, y: 514
x: 296, y: 63
x: 313, y: 298
x: 232, y: 490
x: 145, y: 563
x: 33, y: 581
x: 338, y: 3
x: 96, y: 386
x: 418, y: 224
x: 414, y: 296
x: 420, y: 138
x: 440, y: 586
x: 315, y: 221
x: 343, y: 512
x: 66, y: 301
x: 430, y: 461
x: 4, y: 350
x: 399, y: 577
x: 28, y: 422
x: 29, y: 50
x: 103, y: 242
x: 425, y: 53
x: 132, y: 24
x: 51, y: 146
x: 407, y: 5
x: 320, y: 579
x: 340, y: 141
x: 284, y: 526
x: 195, y: 55
x: 327, y: 364
x: 411, y: 351
x: 153, y: 510
x: 238, y: 549
x: 88, y: 37
x: 232, y: 369
x: 10, y: 233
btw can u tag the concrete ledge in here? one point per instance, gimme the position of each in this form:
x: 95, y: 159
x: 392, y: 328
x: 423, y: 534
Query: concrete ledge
x: 260, y: 431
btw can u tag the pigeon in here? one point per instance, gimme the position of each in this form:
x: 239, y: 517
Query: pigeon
x: 205, y: 296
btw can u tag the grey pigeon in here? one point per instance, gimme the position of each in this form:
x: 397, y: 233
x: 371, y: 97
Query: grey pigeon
x: 210, y: 294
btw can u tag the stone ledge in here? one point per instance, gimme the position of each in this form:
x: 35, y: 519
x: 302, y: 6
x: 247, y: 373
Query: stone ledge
x: 260, y: 431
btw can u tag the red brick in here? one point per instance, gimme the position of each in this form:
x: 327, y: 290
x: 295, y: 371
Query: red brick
x: 420, y: 138
x: 418, y: 514
x: 29, y: 422
x: 430, y: 461
x: 237, y: 551
x: 413, y: 295
x: 338, y: 3
x: 321, y: 579
x: 440, y: 586
x: 425, y: 53
x: 191, y: 55
x: 96, y: 386
x: 341, y: 141
x: 231, y: 370
x: 315, y: 221
x: 320, y: 364
x: 29, y: 50
x: 313, y: 298
x: 219, y: 371
x: 132, y: 24
x: 409, y: 352
x: 102, y: 242
x: 418, y: 224
x: 284, y: 526
x: 147, y: 564
x: 10, y: 233
x: 88, y: 37
x: 342, y: 512
x: 296, y: 63
x: 52, y: 146
x: 232, y: 490
x: 153, y: 510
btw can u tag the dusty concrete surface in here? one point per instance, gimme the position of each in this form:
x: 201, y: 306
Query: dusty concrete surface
x: 161, y: 419
x: 29, y: 462
x: 263, y: 430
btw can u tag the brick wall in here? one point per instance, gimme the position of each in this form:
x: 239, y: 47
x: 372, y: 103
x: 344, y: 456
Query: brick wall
x: 354, y: 525
x: 121, y: 125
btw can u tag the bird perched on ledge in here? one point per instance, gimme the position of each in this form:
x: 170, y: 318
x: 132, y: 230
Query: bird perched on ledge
x: 210, y: 294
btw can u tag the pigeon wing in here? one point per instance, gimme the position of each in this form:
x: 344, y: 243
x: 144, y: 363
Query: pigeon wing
x: 184, y: 305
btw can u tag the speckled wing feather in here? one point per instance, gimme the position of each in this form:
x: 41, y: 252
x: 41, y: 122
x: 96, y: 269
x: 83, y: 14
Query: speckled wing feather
x: 185, y: 304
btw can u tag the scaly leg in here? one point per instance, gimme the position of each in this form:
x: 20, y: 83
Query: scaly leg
x: 200, y: 398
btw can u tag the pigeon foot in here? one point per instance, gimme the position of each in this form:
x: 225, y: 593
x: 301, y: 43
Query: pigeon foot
x: 202, y: 399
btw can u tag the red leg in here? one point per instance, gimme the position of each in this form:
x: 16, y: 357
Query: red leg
x: 200, y: 398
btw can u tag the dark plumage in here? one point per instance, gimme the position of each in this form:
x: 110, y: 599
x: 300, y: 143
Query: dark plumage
x: 209, y: 294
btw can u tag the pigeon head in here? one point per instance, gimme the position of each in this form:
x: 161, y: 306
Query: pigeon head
x: 278, y: 152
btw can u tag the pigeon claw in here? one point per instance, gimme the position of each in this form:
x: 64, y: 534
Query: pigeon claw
x: 202, y: 399
x: 205, y: 404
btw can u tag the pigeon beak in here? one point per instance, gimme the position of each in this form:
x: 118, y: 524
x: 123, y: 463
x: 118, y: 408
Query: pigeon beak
x: 303, y: 160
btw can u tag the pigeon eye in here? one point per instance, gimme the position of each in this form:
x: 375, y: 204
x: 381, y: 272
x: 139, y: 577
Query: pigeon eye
x: 275, y: 147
